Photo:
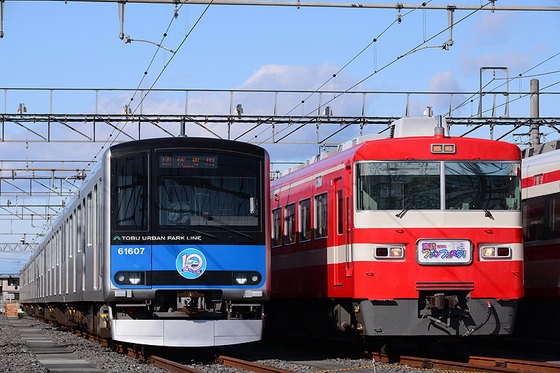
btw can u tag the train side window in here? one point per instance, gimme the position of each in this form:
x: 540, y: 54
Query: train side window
x: 533, y: 219
x: 321, y: 216
x: 305, y: 220
x: 554, y: 215
x: 290, y: 223
x: 277, y: 227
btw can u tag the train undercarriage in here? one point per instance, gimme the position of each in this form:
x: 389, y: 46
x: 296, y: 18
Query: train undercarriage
x: 438, y: 314
x: 146, y: 321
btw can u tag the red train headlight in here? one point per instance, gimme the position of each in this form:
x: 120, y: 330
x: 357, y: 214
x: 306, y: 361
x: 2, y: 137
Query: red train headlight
x: 489, y: 252
x: 389, y: 252
x: 495, y: 252
x: 396, y: 252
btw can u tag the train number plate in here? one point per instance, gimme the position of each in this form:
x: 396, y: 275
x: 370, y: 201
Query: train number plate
x: 443, y: 252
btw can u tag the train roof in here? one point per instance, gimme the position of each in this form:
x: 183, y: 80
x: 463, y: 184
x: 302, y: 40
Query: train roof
x: 181, y: 142
x: 546, y: 160
x: 409, y: 130
x: 540, y: 149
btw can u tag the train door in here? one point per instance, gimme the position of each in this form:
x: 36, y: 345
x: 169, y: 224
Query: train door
x: 348, y: 234
x: 89, y: 252
x: 339, y: 244
x: 342, y: 260
x: 78, y: 259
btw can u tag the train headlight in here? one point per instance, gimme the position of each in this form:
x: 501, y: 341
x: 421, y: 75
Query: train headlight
x: 489, y: 252
x: 389, y: 252
x: 246, y: 278
x: 396, y: 252
x: 495, y: 252
x: 130, y: 278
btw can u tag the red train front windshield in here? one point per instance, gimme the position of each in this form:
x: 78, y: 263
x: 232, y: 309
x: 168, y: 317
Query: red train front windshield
x: 420, y: 186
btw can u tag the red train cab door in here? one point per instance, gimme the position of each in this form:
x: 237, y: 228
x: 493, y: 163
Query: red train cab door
x: 343, y: 263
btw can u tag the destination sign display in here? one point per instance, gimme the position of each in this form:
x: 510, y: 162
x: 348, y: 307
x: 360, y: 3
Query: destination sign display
x: 443, y: 252
x: 188, y: 161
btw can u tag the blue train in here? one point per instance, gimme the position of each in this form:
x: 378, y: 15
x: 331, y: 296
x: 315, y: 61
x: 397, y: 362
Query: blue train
x: 164, y: 244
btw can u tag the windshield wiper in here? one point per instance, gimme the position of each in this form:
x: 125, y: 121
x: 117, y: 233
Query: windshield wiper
x: 198, y: 232
x: 487, y: 213
x: 404, y: 211
x: 224, y: 225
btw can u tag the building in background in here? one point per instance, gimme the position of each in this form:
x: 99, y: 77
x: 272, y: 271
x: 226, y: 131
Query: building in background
x: 9, y: 286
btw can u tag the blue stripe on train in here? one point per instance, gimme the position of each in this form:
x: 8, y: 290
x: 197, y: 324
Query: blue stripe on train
x: 167, y: 258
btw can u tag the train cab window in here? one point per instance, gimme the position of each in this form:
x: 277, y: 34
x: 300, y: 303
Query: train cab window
x: 277, y: 227
x: 208, y: 190
x: 321, y: 216
x: 482, y: 185
x: 305, y: 220
x: 398, y: 185
x: 130, y: 192
x: 290, y: 223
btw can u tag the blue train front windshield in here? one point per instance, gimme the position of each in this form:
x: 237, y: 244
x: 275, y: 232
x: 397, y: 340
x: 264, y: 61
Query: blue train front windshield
x: 197, y: 190
x: 196, y: 220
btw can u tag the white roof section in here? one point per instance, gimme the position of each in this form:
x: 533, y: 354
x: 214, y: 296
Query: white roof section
x: 342, y: 147
x: 541, y: 149
x: 404, y: 127
x: 418, y: 126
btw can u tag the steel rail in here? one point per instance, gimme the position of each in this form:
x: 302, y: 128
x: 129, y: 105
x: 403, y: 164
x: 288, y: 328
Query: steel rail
x: 171, y: 366
x: 519, y: 365
x: 469, y: 363
x: 247, y: 365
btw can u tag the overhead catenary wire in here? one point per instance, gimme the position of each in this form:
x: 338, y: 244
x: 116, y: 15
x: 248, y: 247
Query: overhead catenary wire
x: 387, y: 65
x: 110, y: 139
x: 113, y: 139
x: 373, y: 42
x: 525, y: 95
x: 519, y: 76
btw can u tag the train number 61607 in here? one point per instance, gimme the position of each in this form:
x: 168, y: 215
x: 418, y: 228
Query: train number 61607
x: 131, y: 250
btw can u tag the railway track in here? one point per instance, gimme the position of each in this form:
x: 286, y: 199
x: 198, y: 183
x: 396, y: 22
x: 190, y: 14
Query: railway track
x: 174, y: 367
x: 468, y: 363
x: 379, y: 360
x: 475, y: 364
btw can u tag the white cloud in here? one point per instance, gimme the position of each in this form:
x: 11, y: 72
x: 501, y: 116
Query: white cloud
x: 292, y: 77
x: 282, y: 78
x: 492, y: 28
x: 444, y: 82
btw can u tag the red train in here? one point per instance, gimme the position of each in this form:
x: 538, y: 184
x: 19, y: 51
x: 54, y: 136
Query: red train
x: 419, y: 234
x: 541, y: 231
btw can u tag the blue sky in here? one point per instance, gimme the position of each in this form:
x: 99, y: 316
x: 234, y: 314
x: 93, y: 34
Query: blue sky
x: 76, y: 45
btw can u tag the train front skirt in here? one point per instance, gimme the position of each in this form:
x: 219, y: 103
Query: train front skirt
x: 187, y: 333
